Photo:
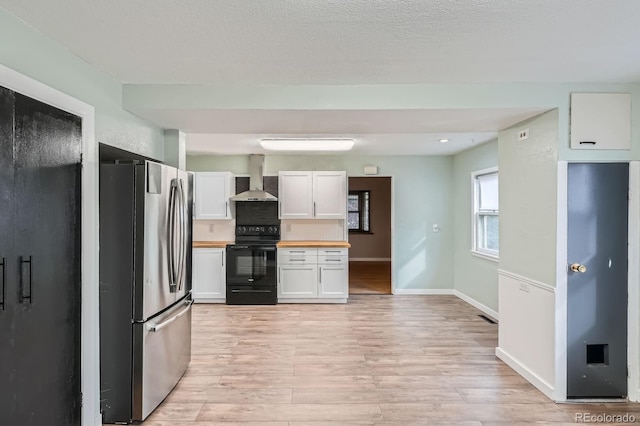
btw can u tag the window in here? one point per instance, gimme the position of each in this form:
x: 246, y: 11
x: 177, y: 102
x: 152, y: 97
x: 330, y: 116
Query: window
x: 358, y: 214
x: 485, y: 213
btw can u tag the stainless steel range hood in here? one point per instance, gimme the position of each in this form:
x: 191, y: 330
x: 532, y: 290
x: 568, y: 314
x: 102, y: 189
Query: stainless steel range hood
x: 256, y: 190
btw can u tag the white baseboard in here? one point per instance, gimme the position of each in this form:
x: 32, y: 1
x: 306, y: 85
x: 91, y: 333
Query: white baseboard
x: 206, y: 300
x: 533, y: 378
x: 434, y: 291
x: 473, y: 302
x: 311, y: 300
x: 369, y: 259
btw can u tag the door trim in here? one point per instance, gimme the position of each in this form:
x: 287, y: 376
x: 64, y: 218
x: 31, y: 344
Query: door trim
x: 633, y: 381
x: 90, y: 350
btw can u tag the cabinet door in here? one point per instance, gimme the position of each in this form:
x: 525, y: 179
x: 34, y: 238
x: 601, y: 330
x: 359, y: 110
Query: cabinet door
x: 295, y: 195
x: 8, y: 269
x: 329, y: 195
x: 333, y: 281
x: 209, y: 281
x: 297, y: 281
x: 47, y: 145
x: 600, y: 121
x: 212, y: 193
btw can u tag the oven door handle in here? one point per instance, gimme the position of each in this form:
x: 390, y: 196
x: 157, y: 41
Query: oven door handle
x: 236, y: 290
x: 253, y: 248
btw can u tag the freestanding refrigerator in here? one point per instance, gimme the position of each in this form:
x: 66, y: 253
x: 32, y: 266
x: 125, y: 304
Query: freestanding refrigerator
x: 145, y: 288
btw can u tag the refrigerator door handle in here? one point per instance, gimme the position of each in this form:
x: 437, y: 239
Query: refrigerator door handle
x: 182, y: 259
x: 172, y: 237
x: 157, y: 327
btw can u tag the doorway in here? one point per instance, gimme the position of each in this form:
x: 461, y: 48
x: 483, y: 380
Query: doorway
x: 370, y: 235
x: 597, y: 281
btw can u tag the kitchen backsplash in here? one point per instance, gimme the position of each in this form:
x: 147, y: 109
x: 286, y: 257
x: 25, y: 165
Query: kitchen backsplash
x: 316, y: 230
x: 214, y: 230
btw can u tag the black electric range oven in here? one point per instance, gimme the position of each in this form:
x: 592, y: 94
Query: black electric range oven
x: 251, y: 266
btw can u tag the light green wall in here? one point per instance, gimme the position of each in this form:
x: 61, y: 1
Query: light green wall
x: 541, y: 96
x: 422, y: 196
x: 31, y: 53
x: 474, y: 276
x: 528, y: 199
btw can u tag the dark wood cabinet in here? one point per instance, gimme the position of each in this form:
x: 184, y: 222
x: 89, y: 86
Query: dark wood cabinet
x: 40, y: 155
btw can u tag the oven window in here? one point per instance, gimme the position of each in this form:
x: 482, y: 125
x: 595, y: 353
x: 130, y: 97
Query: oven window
x: 252, y: 265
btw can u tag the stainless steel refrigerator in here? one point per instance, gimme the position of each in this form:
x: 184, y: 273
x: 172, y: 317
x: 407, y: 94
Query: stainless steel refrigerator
x: 145, y: 286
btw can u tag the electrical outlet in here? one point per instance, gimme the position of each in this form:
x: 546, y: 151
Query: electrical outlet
x: 211, y: 228
x: 523, y: 134
x: 436, y: 227
x: 524, y: 287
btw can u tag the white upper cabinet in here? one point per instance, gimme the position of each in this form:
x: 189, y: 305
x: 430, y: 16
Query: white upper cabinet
x: 312, y: 195
x: 212, y: 192
x: 330, y: 195
x: 295, y: 193
x: 600, y: 121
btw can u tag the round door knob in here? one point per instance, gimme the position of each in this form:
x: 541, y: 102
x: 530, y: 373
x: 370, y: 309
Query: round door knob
x: 576, y: 267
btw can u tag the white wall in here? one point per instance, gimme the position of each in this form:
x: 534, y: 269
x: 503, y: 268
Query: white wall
x: 35, y: 55
x: 422, y: 196
x: 474, y: 277
x: 528, y: 216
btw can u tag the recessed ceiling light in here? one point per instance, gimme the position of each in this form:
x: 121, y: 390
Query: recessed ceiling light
x: 444, y: 140
x: 307, y: 144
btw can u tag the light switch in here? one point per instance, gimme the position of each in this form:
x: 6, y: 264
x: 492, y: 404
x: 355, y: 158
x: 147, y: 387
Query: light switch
x: 436, y: 227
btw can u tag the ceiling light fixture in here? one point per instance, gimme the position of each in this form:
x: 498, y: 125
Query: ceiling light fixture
x: 307, y: 144
x: 444, y: 140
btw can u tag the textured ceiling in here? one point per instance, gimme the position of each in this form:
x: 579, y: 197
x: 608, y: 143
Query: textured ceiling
x: 344, y: 42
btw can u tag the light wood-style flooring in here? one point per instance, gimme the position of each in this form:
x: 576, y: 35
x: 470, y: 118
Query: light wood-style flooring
x: 369, y: 277
x: 378, y: 360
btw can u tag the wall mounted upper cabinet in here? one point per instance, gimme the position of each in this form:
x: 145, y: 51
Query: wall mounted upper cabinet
x: 211, y: 196
x: 600, y: 121
x: 312, y: 195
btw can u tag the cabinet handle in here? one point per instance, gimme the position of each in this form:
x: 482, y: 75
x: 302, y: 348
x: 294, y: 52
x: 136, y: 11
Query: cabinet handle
x: 22, y: 295
x: 333, y: 260
x: 297, y: 260
x: 332, y: 251
x: 314, y: 209
x: 222, y: 257
x: 279, y: 274
x: 297, y: 251
x: 3, y: 284
x: 226, y: 209
x: 588, y: 142
x: 320, y: 271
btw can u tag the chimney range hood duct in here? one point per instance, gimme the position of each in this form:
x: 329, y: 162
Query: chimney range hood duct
x: 256, y: 191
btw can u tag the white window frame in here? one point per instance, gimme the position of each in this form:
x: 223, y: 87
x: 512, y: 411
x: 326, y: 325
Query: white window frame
x: 493, y: 255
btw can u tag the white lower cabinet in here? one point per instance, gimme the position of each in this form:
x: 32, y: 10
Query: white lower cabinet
x: 331, y: 281
x: 209, y: 275
x: 309, y: 274
x: 297, y: 281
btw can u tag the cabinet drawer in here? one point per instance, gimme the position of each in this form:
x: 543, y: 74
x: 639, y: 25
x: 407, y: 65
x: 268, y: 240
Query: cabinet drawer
x: 332, y: 260
x: 333, y: 252
x: 295, y: 251
x: 297, y: 259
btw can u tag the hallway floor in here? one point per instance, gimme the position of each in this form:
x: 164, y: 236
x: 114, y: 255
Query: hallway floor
x: 369, y: 277
x: 387, y: 360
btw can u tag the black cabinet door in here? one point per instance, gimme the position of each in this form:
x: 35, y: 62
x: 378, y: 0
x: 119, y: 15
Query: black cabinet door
x: 7, y: 274
x: 47, y: 146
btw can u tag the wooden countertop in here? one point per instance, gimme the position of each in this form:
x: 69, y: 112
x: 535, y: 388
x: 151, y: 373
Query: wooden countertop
x: 341, y: 244
x: 210, y: 244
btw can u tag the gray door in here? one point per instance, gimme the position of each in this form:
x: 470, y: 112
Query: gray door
x: 597, y: 280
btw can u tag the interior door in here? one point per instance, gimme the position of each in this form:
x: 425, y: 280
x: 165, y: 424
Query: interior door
x: 7, y: 267
x: 597, y: 281
x: 46, y: 359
